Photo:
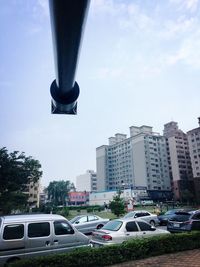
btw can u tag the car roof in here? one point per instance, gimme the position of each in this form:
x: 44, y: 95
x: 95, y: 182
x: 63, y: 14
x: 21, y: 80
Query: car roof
x: 134, y: 211
x: 129, y: 219
x: 83, y: 215
x: 31, y: 217
x: 185, y: 212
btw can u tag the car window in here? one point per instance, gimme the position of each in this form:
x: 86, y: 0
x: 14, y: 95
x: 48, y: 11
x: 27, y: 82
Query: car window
x: 144, y: 226
x: 145, y: 214
x: 131, y: 227
x: 92, y: 218
x: 196, y: 216
x: 75, y: 219
x: 113, y: 225
x: 39, y: 229
x: 14, y: 231
x: 82, y: 219
x: 62, y: 228
x: 139, y: 214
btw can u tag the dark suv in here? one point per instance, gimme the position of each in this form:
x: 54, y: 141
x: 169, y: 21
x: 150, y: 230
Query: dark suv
x: 184, y: 221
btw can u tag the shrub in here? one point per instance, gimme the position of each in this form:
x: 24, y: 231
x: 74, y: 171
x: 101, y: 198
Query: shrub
x: 64, y: 212
x: 108, y: 255
x: 89, y: 210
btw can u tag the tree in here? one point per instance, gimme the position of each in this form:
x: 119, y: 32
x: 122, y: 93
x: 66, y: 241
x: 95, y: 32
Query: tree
x: 16, y: 171
x: 117, y: 205
x: 58, y: 191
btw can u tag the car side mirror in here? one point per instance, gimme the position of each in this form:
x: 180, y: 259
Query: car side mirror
x: 77, y: 222
x: 153, y: 228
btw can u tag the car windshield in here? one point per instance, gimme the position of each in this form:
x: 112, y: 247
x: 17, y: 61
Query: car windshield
x: 169, y: 212
x: 75, y: 219
x: 113, y: 225
x: 129, y: 215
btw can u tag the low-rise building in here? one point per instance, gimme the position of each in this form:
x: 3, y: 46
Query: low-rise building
x: 78, y: 198
x: 104, y: 197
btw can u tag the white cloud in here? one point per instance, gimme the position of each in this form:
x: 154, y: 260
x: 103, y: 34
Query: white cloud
x: 173, y: 29
x: 190, y: 5
x: 188, y: 52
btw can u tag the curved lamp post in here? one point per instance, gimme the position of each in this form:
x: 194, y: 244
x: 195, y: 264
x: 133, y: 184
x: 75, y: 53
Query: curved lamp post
x: 68, y: 19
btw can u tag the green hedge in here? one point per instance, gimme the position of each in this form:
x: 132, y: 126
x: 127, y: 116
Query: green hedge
x: 132, y: 250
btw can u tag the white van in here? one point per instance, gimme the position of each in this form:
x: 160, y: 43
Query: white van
x: 23, y: 236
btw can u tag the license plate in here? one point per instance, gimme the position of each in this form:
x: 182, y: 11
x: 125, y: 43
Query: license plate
x: 176, y: 225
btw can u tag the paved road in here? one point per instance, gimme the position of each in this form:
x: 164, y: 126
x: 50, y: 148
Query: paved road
x: 189, y: 258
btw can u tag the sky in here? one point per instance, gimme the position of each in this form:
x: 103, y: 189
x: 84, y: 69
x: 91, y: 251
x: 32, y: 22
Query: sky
x: 139, y: 65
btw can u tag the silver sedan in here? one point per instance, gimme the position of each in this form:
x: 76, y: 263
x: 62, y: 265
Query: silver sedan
x: 88, y: 223
x: 144, y: 215
x: 122, y: 230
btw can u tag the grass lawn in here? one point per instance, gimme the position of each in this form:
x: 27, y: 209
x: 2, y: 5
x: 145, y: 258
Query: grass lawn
x: 103, y: 214
x: 108, y: 214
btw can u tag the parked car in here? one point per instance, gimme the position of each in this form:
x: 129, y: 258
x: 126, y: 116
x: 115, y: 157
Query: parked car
x: 144, y: 215
x: 88, y: 223
x: 163, y: 219
x: 24, y: 236
x: 184, y: 221
x: 121, y: 230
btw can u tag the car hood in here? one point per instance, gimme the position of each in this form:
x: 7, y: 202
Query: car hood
x: 162, y: 216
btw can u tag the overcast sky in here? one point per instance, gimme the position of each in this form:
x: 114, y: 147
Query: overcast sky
x: 139, y: 65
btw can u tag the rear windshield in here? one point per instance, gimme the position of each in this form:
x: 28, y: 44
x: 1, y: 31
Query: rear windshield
x: 181, y: 217
x: 113, y: 225
x: 170, y: 212
x: 129, y: 215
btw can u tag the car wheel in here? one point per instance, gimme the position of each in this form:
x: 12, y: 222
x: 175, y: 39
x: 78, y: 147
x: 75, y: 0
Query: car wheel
x: 99, y: 226
x: 152, y: 223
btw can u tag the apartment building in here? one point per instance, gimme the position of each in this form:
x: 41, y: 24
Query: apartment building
x: 194, y: 148
x: 179, y: 160
x: 134, y: 162
x: 87, y: 181
x: 32, y: 189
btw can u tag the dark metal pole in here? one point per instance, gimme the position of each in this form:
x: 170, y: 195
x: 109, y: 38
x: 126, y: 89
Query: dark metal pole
x: 68, y: 19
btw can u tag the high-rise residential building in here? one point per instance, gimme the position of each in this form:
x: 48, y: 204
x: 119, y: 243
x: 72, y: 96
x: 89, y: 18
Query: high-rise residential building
x: 87, y: 181
x: 194, y: 147
x: 179, y: 160
x: 32, y: 189
x: 139, y: 161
